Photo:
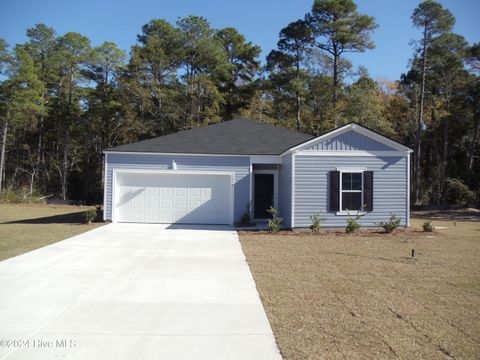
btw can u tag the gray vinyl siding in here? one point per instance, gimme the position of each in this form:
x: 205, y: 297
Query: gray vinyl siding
x: 312, y: 188
x: 349, y: 141
x: 239, y: 165
x: 285, y: 190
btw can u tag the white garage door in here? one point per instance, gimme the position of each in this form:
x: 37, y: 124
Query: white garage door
x: 173, y: 198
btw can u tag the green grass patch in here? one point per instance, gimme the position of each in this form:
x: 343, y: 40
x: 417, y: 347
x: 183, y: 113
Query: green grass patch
x: 25, y: 227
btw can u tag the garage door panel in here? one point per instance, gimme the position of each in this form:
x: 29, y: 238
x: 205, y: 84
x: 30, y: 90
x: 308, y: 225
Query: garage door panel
x: 151, y: 217
x: 180, y: 205
x: 193, y: 204
x: 138, y: 202
x: 195, y: 193
x: 153, y: 204
x: 165, y: 217
x: 166, y: 205
x: 153, y: 191
x: 138, y: 217
x: 180, y: 191
x: 207, y: 193
x: 166, y: 191
x: 169, y: 198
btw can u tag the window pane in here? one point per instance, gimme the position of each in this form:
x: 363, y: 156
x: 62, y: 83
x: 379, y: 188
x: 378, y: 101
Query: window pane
x: 347, y: 181
x: 351, y: 200
x: 356, y: 181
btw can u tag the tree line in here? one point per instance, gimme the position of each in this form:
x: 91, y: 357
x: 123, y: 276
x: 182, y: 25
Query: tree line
x: 63, y: 101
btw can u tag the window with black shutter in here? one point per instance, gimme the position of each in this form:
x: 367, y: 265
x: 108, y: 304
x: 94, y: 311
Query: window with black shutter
x: 351, y: 190
x: 368, y: 190
x: 334, y: 190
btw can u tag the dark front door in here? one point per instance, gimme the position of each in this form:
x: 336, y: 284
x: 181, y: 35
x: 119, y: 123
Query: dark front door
x: 263, y: 195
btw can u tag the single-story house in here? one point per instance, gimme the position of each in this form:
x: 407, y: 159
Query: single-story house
x: 213, y: 174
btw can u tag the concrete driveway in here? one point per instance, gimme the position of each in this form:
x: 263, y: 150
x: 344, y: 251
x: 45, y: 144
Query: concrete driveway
x: 134, y: 291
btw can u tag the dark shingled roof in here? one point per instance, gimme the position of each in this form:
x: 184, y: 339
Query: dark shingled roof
x: 235, y: 137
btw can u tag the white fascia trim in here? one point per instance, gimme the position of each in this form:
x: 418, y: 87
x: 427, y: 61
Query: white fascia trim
x: 105, y: 162
x: 173, y: 172
x: 355, y: 127
x: 169, y: 154
x: 265, y: 159
x: 351, y: 153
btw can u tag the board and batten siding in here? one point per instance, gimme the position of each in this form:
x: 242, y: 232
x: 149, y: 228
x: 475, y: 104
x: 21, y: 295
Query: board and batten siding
x: 239, y: 165
x: 312, y: 188
x: 347, y: 142
x: 285, y: 190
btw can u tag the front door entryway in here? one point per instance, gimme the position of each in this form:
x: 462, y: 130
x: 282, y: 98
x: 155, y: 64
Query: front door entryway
x: 263, y: 195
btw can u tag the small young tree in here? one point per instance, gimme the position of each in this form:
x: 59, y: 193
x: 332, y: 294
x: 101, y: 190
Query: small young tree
x: 352, y: 222
x: 275, y: 222
x: 316, y: 220
x: 391, y: 224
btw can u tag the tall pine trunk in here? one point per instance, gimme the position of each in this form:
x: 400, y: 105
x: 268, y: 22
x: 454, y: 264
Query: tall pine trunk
x: 471, y: 152
x: 64, y: 171
x: 418, y: 140
x: 335, y: 86
x: 66, y: 147
x: 297, y: 99
x: 443, y: 173
x: 3, y: 152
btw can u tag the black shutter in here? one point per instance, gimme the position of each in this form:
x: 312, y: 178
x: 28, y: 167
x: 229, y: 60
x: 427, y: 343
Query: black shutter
x: 334, y: 190
x: 368, y: 190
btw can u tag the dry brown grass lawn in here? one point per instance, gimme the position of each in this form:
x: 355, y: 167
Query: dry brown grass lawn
x: 25, y: 227
x: 361, y: 296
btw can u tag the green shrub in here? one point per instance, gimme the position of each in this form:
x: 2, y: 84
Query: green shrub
x: 428, y: 226
x: 275, y: 222
x: 16, y: 196
x: 245, y: 218
x: 89, y: 215
x: 316, y: 222
x: 352, y: 225
x: 352, y: 222
x: 391, y: 224
x: 458, y: 193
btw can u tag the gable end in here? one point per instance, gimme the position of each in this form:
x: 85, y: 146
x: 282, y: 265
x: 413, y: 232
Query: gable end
x: 351, y: 138
x: 349, y: 141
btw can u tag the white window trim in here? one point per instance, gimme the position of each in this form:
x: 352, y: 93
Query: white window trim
x: 275, y: 190
x: 352, y: 213
x: 349, y: 170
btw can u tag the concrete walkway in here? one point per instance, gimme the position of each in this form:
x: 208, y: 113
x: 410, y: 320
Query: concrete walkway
x: 134, y: 291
